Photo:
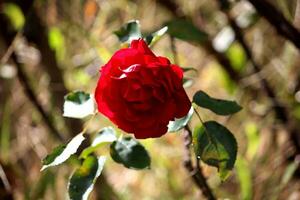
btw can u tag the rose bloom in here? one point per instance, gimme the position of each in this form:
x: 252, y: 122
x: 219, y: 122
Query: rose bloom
x: 141, y: 92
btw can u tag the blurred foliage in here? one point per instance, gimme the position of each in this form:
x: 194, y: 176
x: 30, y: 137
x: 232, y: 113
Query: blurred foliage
x: 79, y: 33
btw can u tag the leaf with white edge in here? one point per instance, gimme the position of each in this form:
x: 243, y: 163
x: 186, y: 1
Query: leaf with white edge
x: 61, y: 153
x: 129, y: 31
x: 152, y: 38
x: 83, y: 179
x: 78, y: 105
x: 130, y: 153
x: 178, y: 124
x: 218, y: 106
x: 187, y: 82
x: 216, y: 146
x: 105, y: 135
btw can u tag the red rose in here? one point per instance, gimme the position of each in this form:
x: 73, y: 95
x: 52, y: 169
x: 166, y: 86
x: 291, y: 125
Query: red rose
x: 141, y: 92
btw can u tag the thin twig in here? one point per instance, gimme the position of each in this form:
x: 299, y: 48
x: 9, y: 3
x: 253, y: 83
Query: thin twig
x: 4, y: 179
x: 32, y: 97
x: 276, y: 18
x: 196, y: 172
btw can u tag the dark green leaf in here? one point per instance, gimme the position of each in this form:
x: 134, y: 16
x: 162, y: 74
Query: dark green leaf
x: 178, y: 124
x: 186, y: 69
x: 55, y: 152
x: 61, y: 153
x: 130, y: 153
x: 82, y: 181
x: 129, y: 31
x: 218, y: 106
x: 78, y: 97
x: 185, y: 30
x: 105, y: 135
x: 152, y: 38
x: 216, y: 146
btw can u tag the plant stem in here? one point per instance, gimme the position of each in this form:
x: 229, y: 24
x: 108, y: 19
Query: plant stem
x: 196, y: 172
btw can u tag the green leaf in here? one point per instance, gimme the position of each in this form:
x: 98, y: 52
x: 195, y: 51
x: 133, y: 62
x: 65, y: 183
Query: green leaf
x: 105, y: 135
x: 152, y: 38
x: 185, y: 30
x: 130, y: 153
x: 56, y: 41
x: 253, y: 139
x: 237, y: 57
x: 216, y: 146
x: 129, y: 31
x: 186, y: 69
x: 218, y: 106
x: 15, y: 15
x: 78, y: 97
x: 178, y: 124
x: 83, y: 179
x: 61, y: 153
x: 244, y: 176
x: 78, y: 104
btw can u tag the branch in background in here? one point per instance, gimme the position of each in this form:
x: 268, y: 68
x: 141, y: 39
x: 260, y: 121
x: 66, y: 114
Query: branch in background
x: 173, y: 8
x: 195, y: 172
x: 297, y: 15
x: 31, y: 96
x: 9, y: 39
x: 276, y: 18
x: 280, y: 111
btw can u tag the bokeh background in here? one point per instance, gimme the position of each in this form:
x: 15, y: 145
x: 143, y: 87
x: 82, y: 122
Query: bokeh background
x: 51, y: 47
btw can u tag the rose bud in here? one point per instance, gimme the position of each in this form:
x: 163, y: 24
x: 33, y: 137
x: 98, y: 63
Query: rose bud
x: 141, y: 92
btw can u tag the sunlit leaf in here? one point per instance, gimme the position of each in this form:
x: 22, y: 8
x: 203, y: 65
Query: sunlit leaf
x: 105, y: 135
x: 152, y: 38
x: 83, y: 179
x: 130, y: 153
x: 185, y: 30
x: 61, y: 153
x: 130, y: 31
x: 178, y: 124
x: 15, y: 15
x: 56, y: 41
x: 218, y: 106
x: 187, y: 82
x: 253, y: 139
x: 78, y: 105
x: 244, y: 176
x: 237, y: 57
x: 216, y: 146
